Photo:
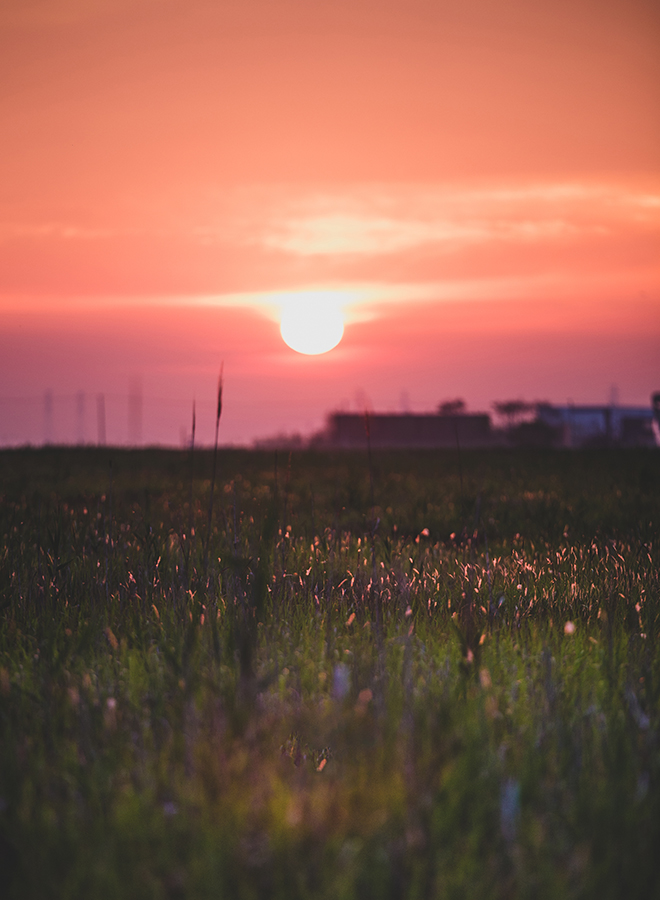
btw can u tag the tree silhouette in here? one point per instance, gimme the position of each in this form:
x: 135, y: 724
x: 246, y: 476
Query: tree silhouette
x: 513, y: 411
x: 452, y: 407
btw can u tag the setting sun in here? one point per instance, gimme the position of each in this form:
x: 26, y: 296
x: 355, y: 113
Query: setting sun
x: 312, y: 324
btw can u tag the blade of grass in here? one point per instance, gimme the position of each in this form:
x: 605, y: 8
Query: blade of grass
x: 215, y: 461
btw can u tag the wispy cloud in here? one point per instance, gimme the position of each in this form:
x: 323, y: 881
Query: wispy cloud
x: 381, y: 221
x: 367, y: 235
x: 389, y: 242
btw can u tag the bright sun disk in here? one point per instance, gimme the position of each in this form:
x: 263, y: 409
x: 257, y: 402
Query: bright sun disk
x: 312, y: 324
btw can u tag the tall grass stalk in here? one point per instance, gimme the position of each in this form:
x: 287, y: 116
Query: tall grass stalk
x: 191, y: 513
x: 108, y: 537
x: 215, y: 462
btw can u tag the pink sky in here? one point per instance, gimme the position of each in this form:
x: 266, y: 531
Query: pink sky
x: 477, y: 182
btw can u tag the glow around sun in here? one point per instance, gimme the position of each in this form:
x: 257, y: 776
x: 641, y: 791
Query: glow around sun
x: 312, y: 323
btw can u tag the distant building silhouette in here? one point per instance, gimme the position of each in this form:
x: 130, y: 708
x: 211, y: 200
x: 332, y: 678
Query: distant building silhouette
x: 584, y: 426
x: 394, y: 431
x: 558, y: 426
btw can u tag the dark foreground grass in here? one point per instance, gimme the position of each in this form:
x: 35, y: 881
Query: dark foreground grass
x: 453, y: 694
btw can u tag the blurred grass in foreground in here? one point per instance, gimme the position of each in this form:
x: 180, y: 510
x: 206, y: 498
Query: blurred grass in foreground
x: 452, y: 693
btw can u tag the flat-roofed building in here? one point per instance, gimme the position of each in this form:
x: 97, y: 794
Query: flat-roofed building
x: 409, y: 430
x: 583, y: 426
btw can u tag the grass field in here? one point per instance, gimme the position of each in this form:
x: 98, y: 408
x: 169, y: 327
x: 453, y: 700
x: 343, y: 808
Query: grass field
x: 430, y: 676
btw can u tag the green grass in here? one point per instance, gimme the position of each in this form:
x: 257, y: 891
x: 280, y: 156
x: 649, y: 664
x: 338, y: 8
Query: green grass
x: 336, y: 710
